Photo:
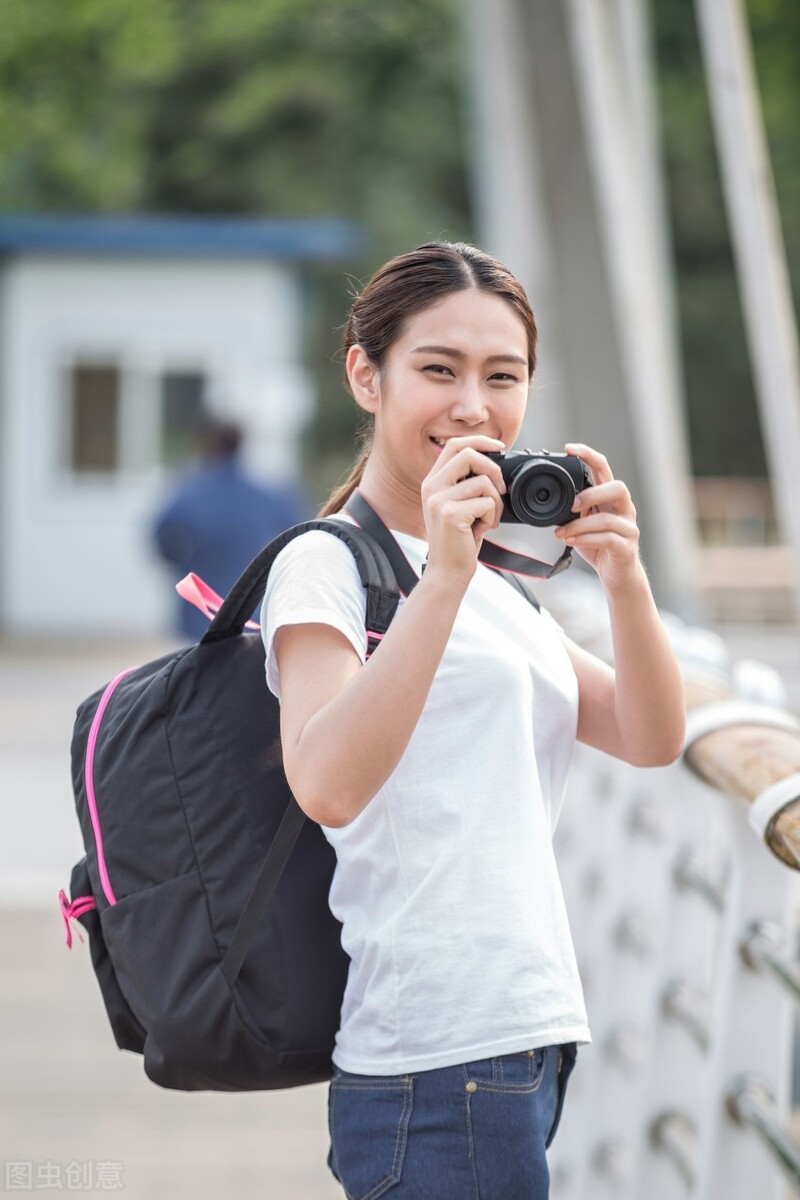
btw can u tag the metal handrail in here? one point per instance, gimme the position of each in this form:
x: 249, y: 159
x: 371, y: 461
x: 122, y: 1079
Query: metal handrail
x: 749, y: 1102
x: 626, y: 1047
x: 674, y: 1134
x: 690, y: 873
x: 763, y: 946
x: 687, y: 1004
x: 612, y: 1160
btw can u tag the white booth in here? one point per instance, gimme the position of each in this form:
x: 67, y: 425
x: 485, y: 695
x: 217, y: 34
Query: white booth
x: 116, y: 334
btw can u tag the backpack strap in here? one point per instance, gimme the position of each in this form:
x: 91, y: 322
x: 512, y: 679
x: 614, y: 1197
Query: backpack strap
x: 374, y: 570
x: 267, y: 879
x: 363, y: 512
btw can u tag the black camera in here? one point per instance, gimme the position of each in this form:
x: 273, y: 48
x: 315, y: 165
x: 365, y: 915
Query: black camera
x: 541, y: 487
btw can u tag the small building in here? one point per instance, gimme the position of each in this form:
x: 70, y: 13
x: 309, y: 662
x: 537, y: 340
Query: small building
x: 116, y: 334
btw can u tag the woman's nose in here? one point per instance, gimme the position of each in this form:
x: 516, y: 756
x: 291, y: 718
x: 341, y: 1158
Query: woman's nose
x: 469, y: 405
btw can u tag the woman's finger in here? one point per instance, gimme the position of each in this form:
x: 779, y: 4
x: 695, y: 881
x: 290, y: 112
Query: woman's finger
x: 614, y: 493
x: 470, y: 488
x: 607, y: 540
x: 599, y: 523
x: 456, y: 463
x: 595, y: 461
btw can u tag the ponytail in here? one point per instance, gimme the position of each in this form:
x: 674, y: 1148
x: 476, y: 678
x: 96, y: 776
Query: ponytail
x: 341, y: 494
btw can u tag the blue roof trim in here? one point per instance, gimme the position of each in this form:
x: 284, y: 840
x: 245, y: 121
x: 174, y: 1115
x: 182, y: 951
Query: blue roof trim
x: 299, y: 240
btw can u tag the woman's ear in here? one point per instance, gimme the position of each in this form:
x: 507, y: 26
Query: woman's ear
x: 364, y: 379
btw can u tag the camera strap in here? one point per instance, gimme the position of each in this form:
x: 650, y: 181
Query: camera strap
x: 521, y: 564
x: 490, y: 554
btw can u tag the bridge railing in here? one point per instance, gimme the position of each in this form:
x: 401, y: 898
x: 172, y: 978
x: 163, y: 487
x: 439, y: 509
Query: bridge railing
x: 680, y: 889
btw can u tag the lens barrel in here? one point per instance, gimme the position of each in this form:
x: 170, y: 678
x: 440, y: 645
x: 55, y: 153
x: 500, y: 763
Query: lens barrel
x: 540, y: 493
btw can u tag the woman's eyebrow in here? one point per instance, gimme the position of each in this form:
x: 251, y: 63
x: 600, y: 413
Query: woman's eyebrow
x: 460, y: 354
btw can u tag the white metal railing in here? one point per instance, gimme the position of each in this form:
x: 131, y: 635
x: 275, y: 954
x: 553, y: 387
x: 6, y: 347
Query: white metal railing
x: 680, y: 893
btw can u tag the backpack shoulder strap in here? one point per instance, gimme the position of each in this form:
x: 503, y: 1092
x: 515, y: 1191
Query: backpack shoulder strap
x: 369, y: 522
x: 373, y: 565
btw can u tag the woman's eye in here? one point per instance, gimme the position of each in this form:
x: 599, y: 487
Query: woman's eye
x: 438, y: 368
x: 502, y: 375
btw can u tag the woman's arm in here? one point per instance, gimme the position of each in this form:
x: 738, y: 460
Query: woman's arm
x: 636, y: 711
x: 345, y: 727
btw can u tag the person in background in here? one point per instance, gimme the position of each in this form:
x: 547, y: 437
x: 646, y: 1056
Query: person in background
x: 218, y: 518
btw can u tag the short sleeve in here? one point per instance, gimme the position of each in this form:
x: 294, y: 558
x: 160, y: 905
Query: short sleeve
x: 314, y: 580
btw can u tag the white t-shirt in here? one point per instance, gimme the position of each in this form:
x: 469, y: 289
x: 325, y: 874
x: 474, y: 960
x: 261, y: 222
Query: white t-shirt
x: 446, y: 883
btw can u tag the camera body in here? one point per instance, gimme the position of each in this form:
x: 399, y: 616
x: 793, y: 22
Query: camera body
x: 541, y: 487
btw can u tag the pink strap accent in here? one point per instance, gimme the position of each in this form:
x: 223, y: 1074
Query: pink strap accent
x: 373, y: 638
x: 88, y: 775
x: 71, y: 911
x: 196, y: 592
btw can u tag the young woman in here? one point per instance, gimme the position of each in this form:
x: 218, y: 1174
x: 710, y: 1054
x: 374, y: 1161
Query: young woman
x: 437, y: 767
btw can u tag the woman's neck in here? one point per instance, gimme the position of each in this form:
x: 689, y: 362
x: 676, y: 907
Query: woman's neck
x: 398, y: 505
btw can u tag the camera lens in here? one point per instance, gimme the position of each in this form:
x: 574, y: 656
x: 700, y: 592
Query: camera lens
x: 541, y: 493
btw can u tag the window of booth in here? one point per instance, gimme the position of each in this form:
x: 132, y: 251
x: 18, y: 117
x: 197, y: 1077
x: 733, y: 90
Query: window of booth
x: 94, y: 418
x: 123, y: 419
x: 183, y: 408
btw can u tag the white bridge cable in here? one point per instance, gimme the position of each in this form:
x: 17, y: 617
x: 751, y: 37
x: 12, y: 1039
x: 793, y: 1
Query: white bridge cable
x: 759, y: 251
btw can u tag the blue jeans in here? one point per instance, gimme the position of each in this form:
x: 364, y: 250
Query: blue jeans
x: 478, y: 1131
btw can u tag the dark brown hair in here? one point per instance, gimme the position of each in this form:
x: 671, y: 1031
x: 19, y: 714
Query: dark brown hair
x: 405, y: 286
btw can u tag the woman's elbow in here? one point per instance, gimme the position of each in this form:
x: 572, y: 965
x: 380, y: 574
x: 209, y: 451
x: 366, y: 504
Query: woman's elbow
x: 661, y: 754
x: 318, y: 804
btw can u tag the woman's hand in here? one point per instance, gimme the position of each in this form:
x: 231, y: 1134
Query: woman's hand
x: 461, y: 502
x: 605, y: 533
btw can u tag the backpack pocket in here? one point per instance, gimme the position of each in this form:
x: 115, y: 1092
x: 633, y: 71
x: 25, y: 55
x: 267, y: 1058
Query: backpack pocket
x: 168, y: 963
x: 128, y: 1032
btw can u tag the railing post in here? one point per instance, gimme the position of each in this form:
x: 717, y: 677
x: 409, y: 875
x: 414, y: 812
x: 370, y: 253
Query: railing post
x: 751, y: 1104
x: 764, y: 946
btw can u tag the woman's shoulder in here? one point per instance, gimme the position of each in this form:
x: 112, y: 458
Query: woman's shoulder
x: 314, y: 580
x: 315, y: 567
x: 316, y: 549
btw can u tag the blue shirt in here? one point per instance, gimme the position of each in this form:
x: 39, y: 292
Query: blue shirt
x: 215, y: 523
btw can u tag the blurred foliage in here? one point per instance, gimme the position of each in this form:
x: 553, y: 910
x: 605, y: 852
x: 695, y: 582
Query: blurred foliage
x: 721, y: 405
x: 298, y: 107
x: 352, y: 108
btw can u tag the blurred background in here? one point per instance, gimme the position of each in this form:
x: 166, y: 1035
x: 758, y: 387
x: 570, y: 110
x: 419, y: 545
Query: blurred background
x: 190, y: 196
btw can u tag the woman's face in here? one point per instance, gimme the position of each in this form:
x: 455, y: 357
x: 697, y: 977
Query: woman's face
x: 460, y: 368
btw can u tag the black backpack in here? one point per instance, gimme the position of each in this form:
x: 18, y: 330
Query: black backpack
x: 204, y: 889
x: 223, y: 969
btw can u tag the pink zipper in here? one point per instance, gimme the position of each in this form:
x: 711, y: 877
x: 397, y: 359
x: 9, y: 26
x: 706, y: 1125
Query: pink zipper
x: 89, y: 780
